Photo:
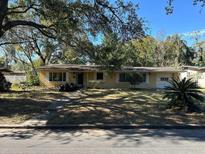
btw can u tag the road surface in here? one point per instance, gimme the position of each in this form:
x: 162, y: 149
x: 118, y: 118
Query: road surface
x: 96, y: 141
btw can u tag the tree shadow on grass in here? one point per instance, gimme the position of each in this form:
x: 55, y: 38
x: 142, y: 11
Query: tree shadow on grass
x: 141, y: 109
x: 134, y: 108
x: 37, y: 95
x: 19, y: 110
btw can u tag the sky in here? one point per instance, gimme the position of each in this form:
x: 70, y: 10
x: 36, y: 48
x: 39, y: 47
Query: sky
x: 185, y: 19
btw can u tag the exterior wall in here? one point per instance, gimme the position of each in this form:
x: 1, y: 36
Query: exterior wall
x: 44, y: 79
x: 15, y: 78
x: 110, y: 80
x: 152, y: 79
x: 162, y: 84
x: 201, y: 80
x: 197, y: 76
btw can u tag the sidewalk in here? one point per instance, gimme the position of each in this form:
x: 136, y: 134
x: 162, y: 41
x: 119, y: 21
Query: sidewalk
x: 41, y: 120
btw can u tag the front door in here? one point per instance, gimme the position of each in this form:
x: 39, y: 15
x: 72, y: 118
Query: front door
x: 80, y: 77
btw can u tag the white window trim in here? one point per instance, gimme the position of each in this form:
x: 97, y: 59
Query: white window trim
x: 47, y: 76
x: 57, y: 81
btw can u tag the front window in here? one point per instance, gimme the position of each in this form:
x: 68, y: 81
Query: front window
x: 123, y: 77
x: 99, y: 76
x: 57, y: 76
x: 133, y: 78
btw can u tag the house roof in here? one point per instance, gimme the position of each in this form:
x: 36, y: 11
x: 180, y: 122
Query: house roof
x: 15, y: 73
x: 74, y: 67
x: 195, y: 68
x: 70, y: 67
x: 4, y: 69
x: 150, y: 69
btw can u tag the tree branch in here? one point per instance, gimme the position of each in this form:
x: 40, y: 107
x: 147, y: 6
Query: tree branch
x: 22, y: 11
x: 109, y: 8
x: 7, y: 43
x: 11, y: 24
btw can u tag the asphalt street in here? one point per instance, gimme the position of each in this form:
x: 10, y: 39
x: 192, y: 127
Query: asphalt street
x: 98, y: 141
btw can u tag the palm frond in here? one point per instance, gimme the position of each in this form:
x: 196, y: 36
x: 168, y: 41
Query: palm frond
x: 183, y: 93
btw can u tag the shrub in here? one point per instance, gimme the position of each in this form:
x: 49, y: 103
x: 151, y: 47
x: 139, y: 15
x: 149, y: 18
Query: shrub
x: 94, y: 83
x: 4, y: 85
x: 15, y: 86
x: 32, y: 79
x: 19, y: 86
x: 184, y: 95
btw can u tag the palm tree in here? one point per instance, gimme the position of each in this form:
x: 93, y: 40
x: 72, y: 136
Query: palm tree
x: 183, y: 94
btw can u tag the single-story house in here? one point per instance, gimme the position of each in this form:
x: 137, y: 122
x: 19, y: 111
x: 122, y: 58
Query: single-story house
x: 4, y: 69
x: 196, y: 73
x: 95, y: 76
x: 15, y: 76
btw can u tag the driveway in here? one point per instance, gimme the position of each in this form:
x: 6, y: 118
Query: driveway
x: 96, y: 141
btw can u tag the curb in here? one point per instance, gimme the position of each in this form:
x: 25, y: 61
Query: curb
x: 113, y: 126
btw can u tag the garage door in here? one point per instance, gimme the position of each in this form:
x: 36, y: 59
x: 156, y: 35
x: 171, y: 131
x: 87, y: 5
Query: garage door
x: 162, y: 81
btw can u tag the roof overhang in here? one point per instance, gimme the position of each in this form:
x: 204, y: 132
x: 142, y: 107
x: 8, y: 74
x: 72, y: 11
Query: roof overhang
x: 4, y: 69
x: 95, y: 68
x: 194, y: 68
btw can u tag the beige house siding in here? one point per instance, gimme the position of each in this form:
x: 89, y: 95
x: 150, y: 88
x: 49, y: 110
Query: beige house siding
x: 44, y: 79
x: 201, y: 80
x: 110, y: 79
x: 152, y: 79
x: 196, y: 75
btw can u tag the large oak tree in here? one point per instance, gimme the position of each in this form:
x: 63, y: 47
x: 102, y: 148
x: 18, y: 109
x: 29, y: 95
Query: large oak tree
x: 63, y: 18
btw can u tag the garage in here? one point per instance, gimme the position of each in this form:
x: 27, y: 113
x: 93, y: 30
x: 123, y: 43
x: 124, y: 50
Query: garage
x: 162, y: 80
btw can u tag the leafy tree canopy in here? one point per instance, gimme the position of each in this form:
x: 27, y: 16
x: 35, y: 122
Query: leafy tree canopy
x: 170, y: 7
x: 71, y: 20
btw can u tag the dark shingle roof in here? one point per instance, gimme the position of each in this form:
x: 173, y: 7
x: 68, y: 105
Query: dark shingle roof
x: 75, y: 67
x: 4, y: 69
x: 195, y: 68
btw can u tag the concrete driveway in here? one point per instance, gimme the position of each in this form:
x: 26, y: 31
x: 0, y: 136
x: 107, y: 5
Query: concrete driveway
x: 96, y: 141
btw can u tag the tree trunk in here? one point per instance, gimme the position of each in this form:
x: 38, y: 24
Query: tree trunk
x: 3, y: 13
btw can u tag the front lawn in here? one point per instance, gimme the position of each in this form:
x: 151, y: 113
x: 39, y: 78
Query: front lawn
x: 94, y: 106
x: 121, y: 107
x: 17, y: 106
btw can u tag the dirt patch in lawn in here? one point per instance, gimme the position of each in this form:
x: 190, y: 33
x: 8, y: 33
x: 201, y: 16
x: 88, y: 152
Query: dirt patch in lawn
x: 14, y: 111
x: 96, y: 106
x: 19, y: 106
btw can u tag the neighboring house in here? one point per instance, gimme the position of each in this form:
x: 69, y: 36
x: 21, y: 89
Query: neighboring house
x: 94, y: 76
x: 4, y: 69
x: 15, y: 77
x: 196, y: 73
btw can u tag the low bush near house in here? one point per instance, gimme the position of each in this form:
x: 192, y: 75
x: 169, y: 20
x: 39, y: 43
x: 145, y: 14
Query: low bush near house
x: 184, y: 95
x: 32, y: 79
x: 20, y: 86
